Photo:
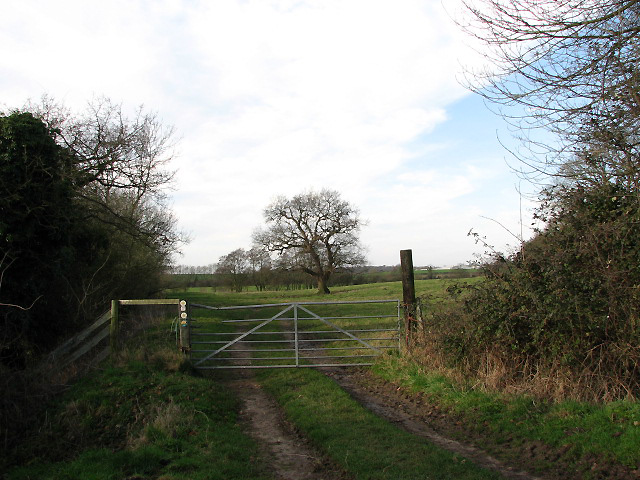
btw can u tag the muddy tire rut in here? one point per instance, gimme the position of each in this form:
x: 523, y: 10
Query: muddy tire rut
x: 290, y: 456
x: 513, y: 458
x: 391, y: 410
x: 287, y: 454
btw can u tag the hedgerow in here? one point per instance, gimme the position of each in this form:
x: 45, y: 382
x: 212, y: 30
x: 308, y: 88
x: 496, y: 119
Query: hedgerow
x: 561, y: 311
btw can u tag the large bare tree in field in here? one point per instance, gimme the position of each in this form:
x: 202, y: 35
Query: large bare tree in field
x: 318, y: 231
x: 570, y: 68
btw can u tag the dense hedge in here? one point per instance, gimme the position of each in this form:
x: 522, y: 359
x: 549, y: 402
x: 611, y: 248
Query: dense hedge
x: 70, y: 241
x: 568, y: 300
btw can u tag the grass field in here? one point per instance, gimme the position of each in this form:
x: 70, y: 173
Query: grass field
x: 140, y: 417
x: 609, y: 432
x: 362, y: 444
x: 145, y: 415
x: 435, y: 289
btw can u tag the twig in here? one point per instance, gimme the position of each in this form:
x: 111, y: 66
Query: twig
x: 20, y: 307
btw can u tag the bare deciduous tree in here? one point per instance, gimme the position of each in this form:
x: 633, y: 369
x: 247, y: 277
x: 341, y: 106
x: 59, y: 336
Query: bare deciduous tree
x: 260, y: 266
x: 119, y: 165
x: 235, y: 267
x: 571, y: 68
x: 81, y: 202
x: 319, y: 232
x: 112, y: 149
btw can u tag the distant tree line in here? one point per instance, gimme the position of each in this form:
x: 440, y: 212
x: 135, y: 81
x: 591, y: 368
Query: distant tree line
x: 193, y: 269
x: 272, y: 277
x: 83, y: 218
x: 309, y: 239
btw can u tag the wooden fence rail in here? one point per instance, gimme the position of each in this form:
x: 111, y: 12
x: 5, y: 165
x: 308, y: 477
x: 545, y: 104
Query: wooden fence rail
x: 83, y: 342
x: 104, y: 330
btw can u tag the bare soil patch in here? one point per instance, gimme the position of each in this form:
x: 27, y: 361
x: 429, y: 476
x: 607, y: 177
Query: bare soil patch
x: 285, y: 451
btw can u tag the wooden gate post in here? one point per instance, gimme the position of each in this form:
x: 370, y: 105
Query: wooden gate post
x: 114, y: 328
x: 185, y: 328
x: 408, y: 292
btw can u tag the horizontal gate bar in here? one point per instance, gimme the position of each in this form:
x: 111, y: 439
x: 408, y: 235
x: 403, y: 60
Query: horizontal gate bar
x: 239, y: 359
x: 235, y: 334
x: 300, y: 349
x: 265, y: 305
x: 355, y: 317
x: 340, y: 356
x: 251, y: 350
x: 241, y: 341
x: 353, y: 331
x: 346, y: 340
x: 281, y: 332
x: 151, y: 301
x: 317, y: 365
x: 334, y: 340
x: 310, y: 342
x: 327, y: 357
x: 344, y: 348
x: 324, y: 340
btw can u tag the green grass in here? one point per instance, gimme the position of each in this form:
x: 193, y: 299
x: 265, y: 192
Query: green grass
x: 140, y: 418
x: 363, y: 444
x: 610, y: 431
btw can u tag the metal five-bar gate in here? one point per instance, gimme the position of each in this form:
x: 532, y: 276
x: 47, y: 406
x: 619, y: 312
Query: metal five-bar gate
x: 290, y: 335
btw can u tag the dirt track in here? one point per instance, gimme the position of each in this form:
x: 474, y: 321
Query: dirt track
x: 288, y: 454
x: 291, y: 457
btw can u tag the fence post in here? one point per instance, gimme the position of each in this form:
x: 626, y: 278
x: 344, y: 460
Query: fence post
x: 115, y: 325
x: 185, y: 328
x: 295, y: 330
x: 408, y: 292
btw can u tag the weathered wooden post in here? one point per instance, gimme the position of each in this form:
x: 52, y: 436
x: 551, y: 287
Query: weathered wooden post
x: 408, y: 293
x: 114, y: 328
x: 185, y: 328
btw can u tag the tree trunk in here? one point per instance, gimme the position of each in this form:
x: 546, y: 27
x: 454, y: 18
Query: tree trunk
x: 322, y: 284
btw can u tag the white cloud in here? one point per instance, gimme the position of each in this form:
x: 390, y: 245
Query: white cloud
x: 269, y: 97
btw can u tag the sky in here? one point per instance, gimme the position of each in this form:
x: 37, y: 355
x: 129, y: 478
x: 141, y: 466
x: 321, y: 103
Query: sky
x: 280, y: 97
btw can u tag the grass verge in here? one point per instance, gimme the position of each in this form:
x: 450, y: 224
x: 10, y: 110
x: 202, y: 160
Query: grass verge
x: 360, y: 442
x: 140, y: 417
x: 609, y: 432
